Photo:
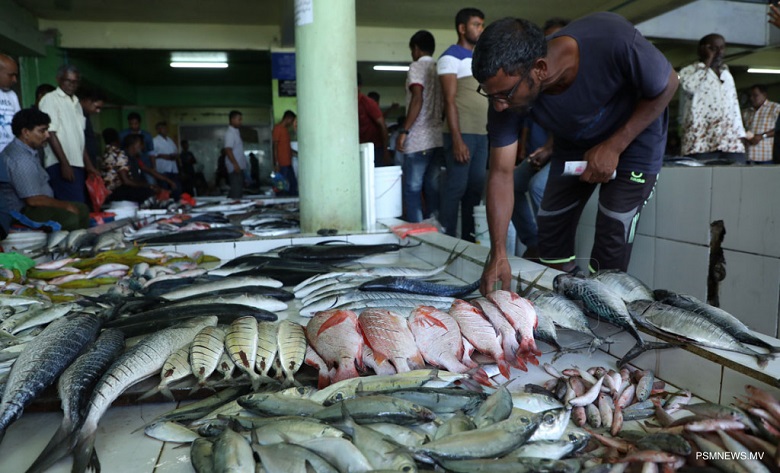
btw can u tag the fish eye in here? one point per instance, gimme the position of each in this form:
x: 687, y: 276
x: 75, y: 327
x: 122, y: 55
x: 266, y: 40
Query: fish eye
x: 406, y: 468
x: 548, y: 419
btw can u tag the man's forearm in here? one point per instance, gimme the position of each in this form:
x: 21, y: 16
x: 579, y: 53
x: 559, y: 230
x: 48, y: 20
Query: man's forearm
x: 46, y: 201
x: 453, y: 121
x: 415, y: 105
x: 500, y: 195
x: 232, y: 158
x: 56, y: 148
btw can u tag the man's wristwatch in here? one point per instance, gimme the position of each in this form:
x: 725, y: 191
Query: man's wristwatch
x: 763, y: 135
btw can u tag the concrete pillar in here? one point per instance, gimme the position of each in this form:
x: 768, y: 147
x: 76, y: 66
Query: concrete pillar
x: 328, y: 156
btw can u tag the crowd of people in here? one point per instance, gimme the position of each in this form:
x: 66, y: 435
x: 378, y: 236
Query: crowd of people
x: 499, y: 112
x: 592, y: 90
x: 50, y: 151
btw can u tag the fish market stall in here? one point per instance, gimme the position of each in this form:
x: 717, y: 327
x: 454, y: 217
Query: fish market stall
x: 720, y: 375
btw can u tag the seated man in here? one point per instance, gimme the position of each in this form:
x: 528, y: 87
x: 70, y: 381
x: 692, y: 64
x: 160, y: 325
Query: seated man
x: 27, y: 188
x: 121, y: 175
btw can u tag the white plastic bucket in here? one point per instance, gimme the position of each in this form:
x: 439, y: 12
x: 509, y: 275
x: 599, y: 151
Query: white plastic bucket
x: 481, y: 232
x: 387, y: 192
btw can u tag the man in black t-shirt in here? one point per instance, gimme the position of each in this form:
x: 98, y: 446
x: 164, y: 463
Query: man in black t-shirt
x: 602, y: 90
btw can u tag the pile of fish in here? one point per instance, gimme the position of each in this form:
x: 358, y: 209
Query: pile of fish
x: 384, y: 422
x: 729, y: 438
x: 261, y: 350
x: 499, y: 327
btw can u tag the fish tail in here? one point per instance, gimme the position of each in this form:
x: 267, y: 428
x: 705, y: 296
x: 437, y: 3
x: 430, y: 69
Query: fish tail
x: 479, y: 375
x: 60, y: 445
x: 345, y: 371
x: 511, y: 346
x: 84, y: 455
x: 504, y: 367
x: 520, y: 360
x: 323, y: 381
x: 764, y: 358
x: 159, y: 389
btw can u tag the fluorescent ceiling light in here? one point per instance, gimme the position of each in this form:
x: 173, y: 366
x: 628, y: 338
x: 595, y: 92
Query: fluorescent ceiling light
x: 209, y: 65
x: 392, y: 68
x: 758, y: 70
x: 208, y: 59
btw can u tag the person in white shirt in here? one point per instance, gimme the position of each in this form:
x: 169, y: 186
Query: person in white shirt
x: 236, y: 161
x: 66, y: 159
x: 711, y: 120
x: 9, y: 102
x: 165, y: 156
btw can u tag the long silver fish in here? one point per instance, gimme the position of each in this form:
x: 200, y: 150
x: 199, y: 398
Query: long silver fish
x: 35, y: 317
x: 728, y: 322
x: 226, y: 283
x: 250, y: 300
x: 379, y: 271
x: 338, y: 301
x: 137, y: 363
x: 692, y: 326
x: 43, y: 360
x: 75, y: 386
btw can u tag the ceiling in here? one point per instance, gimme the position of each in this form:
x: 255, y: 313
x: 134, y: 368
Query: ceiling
x: 247, y: 66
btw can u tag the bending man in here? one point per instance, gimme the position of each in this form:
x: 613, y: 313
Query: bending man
x: 602, y: 90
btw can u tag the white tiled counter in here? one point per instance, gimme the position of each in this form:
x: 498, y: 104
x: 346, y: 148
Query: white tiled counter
x: 671, y: 249
x: 122, y: 451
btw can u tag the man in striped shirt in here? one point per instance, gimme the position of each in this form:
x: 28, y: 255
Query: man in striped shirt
x: 759, y: 122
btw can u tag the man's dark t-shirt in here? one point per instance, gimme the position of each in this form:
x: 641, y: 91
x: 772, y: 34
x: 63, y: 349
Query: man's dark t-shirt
x: 618, y: 66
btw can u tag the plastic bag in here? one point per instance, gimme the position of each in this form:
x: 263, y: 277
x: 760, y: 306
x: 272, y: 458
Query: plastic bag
x: 280, y: 184
x: 98, y: 193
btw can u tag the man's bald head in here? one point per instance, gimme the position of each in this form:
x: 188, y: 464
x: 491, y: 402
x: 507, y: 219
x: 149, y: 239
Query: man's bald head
x: 9, y: 72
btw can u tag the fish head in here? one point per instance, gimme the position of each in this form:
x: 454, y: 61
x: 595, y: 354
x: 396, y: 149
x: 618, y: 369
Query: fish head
x: 337, y: 396
x: 423, y: 413
x: 562, y: 282
x: 576, y: 436
x: 300, y: 392
x: 552, y: 424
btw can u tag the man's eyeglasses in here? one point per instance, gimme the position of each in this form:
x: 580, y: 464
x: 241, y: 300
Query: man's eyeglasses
x: 501, y: 97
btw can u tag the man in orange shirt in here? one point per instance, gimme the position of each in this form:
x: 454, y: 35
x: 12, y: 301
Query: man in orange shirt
x: 283, y: 150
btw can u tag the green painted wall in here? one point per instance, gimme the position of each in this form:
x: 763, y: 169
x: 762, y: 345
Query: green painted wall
x: 195, y: 96
x: 34, y: 71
